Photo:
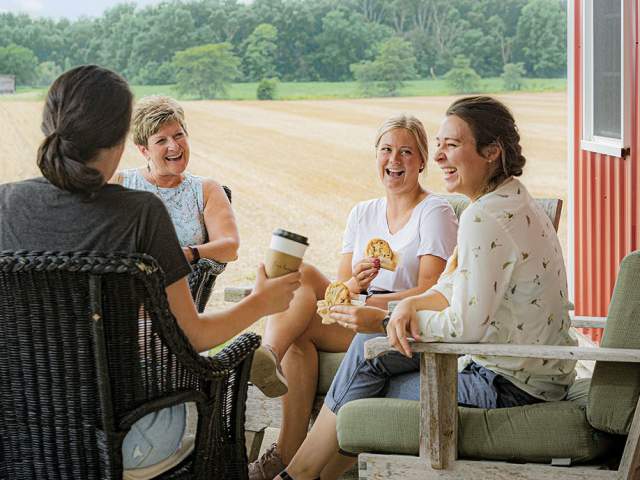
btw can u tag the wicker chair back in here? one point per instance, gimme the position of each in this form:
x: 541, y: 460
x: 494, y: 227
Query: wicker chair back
x: 87, y: 347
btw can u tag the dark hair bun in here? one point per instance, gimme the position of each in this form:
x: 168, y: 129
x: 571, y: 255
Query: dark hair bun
x: 492, y: 123
x: 88, y: 108
x: 59, y: 161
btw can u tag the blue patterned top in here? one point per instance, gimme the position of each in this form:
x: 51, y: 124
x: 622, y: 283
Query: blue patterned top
x: 185, y: 204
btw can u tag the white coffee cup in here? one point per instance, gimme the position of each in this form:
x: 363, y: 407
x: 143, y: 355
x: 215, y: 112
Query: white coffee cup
x: 285, y: 253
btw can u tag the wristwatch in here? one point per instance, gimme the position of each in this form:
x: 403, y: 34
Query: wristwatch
x: 194, y: 253
x: 385, y: 321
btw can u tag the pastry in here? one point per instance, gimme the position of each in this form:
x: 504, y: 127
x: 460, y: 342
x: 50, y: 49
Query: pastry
x: 337, y: 293
x: 379, y: 248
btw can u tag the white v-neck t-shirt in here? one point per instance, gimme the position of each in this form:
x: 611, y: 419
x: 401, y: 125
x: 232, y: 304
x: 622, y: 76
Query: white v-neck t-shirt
x: 431, y: 230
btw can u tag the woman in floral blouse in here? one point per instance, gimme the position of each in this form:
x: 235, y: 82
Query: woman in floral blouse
x: 506, y: 284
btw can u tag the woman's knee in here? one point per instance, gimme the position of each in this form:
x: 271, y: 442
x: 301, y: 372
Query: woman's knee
x: 356, y: 349
x: 314, y: 278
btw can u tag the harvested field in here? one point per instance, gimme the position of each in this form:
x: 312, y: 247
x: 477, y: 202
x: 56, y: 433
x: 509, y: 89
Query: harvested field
x: 302, y: 165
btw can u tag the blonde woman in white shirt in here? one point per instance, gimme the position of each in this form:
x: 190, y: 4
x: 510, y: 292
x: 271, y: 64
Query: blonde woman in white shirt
x: 420, y: 226
x: 505, y: 284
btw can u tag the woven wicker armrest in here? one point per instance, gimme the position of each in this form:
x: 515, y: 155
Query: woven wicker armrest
x: 210, y: 265
x: 209, y: 367
x: 236, y: 352
x: 203, y: 279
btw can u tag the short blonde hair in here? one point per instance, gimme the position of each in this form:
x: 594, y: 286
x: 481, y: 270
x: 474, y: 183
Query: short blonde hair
x: 151, y: 113
x: 411, y: 124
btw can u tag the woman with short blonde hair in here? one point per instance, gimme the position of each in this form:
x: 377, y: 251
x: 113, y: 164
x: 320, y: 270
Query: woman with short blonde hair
x: 198, y: 206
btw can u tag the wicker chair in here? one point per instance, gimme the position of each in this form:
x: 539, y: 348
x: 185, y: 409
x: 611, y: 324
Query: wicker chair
x: 204, y: 275
x: 87, y: 347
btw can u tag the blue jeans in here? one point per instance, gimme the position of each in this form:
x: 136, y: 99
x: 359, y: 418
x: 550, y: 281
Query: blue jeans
x: 395, y: 376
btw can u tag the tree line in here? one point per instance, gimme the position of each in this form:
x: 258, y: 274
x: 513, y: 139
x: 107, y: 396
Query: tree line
x: 294, y: 40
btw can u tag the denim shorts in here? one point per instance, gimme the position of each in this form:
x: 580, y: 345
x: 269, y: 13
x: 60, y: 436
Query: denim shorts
x: 395, y: 376
x: 154, y: 437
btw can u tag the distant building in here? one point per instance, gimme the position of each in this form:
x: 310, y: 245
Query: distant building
x: 7, y: 84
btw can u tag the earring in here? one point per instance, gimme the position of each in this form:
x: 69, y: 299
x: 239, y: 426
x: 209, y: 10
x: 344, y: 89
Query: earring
x: 148, y: 166
x: 421, y: 168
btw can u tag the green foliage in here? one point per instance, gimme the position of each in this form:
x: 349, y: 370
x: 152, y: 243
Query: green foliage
x: 394, y: 63
x: 321, y: 90
x: 46, y: 73
x: 541, y: 38
x: 260, y: 52
x: 302, y: 40
x: 206, y: 71
x: 18, y: 61
x: 267, y: 89
x: 462, y: 78
x: 154, y: 74
x: 346, y: 38
x: 512, y: 76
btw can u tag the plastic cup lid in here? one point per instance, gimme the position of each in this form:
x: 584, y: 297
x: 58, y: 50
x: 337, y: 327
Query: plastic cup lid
x: 291, y: 236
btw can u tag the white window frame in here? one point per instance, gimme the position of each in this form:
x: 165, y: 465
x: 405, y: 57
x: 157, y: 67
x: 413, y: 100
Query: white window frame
x: 593, y: 143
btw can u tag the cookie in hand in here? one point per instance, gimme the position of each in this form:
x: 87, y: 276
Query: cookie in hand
x: 379, y: 248
x: 337, y: 293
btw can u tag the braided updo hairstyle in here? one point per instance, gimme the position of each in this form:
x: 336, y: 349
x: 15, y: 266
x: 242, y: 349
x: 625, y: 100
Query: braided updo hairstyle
x: 492, y: 123
x: 88, y: 108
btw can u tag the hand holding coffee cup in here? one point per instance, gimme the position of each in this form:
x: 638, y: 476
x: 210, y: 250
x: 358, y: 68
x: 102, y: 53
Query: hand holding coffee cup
x: 285, y: 253
x: 275, y: 294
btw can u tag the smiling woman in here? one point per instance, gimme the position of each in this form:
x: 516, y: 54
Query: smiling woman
x: 198, y: 206
x: 416, y: 223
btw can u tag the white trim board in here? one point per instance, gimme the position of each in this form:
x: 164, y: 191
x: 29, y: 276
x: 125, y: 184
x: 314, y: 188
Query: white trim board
x: 616, y: 147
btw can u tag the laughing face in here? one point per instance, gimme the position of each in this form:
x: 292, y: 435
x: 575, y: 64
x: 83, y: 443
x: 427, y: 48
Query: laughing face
x: 168, y: 150
x: 465, y: 170
x: 399, y: 160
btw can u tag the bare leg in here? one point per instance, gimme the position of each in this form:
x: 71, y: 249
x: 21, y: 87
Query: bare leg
x: 295, y: 336
x: 300, y: 365
x: 337, y: 466
x: 317, y: 450
x: 284, y: 328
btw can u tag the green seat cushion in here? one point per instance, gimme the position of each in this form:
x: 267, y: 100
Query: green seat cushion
x: 532, y: 433
x: 328, y: 366
x: 615, y: 386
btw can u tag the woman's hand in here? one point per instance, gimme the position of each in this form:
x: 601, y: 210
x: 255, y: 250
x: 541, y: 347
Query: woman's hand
x: 359, y: 319
x: 364, y: 272
x: 275, y: 294
x: 403, y: 322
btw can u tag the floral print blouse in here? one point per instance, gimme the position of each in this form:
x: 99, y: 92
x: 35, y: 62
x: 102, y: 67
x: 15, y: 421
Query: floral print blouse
x: 509, y: 286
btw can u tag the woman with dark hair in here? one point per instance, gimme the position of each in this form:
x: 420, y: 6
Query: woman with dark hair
x: 506, y: 284
x: 85, y: 121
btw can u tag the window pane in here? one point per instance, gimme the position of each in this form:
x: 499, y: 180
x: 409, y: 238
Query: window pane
x: 606, y: 68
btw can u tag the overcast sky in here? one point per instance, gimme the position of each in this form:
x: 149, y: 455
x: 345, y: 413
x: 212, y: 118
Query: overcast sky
x: 64, y: 8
